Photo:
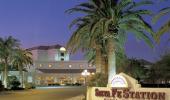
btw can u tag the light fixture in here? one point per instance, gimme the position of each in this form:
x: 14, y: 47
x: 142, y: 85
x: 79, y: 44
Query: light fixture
x: 85, y: 73
x: 70, y: 66
x: 49, y: 65
x: 62, y: 49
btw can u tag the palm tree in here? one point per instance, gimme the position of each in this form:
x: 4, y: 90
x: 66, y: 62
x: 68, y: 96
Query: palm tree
x: 110, y: 21
x: 93, y: 45
x: 1, y: 70
x: 165, y: 27
x: 21, y: 59
x: 7, y: 48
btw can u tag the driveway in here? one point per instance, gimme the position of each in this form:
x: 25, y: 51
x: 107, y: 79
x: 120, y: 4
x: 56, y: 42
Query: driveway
x: 46, y: 93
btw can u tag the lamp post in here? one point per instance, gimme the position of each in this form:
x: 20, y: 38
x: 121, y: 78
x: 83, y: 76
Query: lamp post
x: 85, y: 73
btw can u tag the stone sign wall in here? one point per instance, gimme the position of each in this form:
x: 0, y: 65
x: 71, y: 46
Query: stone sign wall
x: 132, y: 92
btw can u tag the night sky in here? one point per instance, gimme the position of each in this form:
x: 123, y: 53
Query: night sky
x: 44, y: 22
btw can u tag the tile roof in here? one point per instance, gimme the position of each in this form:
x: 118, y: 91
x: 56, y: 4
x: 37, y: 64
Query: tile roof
x: 57, y: 46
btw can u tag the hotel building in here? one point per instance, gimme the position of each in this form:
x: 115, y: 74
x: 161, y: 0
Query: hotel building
x: 52, y: 65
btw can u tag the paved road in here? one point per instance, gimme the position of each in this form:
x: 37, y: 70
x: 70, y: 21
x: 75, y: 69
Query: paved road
x: 66, y: 93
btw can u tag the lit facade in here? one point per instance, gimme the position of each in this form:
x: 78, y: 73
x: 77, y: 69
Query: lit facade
x: 53, y: 66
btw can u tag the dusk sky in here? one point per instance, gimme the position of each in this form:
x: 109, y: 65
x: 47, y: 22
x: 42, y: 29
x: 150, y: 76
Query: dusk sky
x: 44, y: 22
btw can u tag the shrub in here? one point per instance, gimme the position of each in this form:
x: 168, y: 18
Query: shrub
x: 10, y: 79
x: 29, y: 86
x: 57, y: 84
x: 69, y: 84
x: 77, y: 84
x: 54, y: 84
x: 15, y: 85
x: 1, y: 86
x: 98, y: 80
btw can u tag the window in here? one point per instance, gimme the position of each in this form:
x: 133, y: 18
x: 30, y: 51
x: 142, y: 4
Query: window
x: 39, y: 78
x: 62, y: 54
x: 40, y: 65
x: 81, y: 66
x: 62, y: 59
x: 47, y: 78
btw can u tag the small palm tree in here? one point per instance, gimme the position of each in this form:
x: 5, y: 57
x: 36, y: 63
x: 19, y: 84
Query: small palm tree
x: 165, y: 27
x: 22, y: 58
x: 7, y: 48
x: 109, y: 21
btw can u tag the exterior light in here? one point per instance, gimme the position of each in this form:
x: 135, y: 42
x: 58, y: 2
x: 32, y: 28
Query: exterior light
x: 85, y: 73
x: 62, y: 49
x: 49, y: 65
x: 70, y: 66
x: 92, y: 73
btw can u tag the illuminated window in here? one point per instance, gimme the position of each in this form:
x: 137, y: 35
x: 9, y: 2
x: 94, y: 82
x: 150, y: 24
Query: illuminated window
x: 49, y: 65
x: 39, y: 78
x: 40, y: 65
x: 47, y: 78
x: 81, y: 66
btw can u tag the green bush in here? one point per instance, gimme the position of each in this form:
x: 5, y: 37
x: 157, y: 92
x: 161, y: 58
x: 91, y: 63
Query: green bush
x: 98, y: 80
x: 10, y: 79
x: 1, y: 86
x: 29, y: 86
x: 77, y: 84
x: 15, y: 85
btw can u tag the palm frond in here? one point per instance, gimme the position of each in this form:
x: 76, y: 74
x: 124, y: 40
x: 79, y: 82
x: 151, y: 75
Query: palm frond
x: 141, y: 3
x: 86, y: 5
x: 76, y: 9
x: 165, y: 28
x: 141, y: 35
x: 161, y: 13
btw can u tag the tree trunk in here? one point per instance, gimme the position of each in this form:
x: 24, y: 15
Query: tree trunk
x: 111, y: 60
x: 98, y: 59
x: 5, y: 76
x: 21, y: 77
x: 104, y: 66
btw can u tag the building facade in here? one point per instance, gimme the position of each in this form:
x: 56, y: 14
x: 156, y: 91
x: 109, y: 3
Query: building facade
x: 53, y: 66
